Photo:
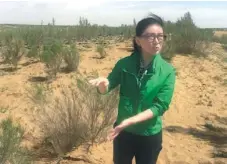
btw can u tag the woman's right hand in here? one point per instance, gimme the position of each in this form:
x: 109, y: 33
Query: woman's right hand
x: 102, y: 84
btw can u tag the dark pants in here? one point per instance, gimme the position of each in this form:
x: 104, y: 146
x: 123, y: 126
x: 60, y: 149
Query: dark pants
x: 146, y: 149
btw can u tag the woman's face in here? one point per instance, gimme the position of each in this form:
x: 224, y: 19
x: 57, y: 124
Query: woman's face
x: 151, y: 41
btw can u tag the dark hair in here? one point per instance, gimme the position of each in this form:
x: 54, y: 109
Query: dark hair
x: 143, y: 24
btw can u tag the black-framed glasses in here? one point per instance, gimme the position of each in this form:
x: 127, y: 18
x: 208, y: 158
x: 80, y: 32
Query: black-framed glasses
x: 151, y: 37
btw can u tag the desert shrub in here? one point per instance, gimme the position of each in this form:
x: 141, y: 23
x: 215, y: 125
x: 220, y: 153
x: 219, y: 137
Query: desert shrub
x: 100, y: 110
x: 184, y: 37
x: 101, y: 45
x: 38, y: 93
x: 52, y: 56
x: 222, y: 39
x: 101, y: 50
x: 10, y: 149
x: 33, y: 37
x: 76, y: 117
x: 224, y: 46
x: 13, y: 50
x: 3, y: 109
x: 62, y: 124
x: 54, y: 53
x: 168, y: 51
x: 187, y: 38
x: 71, y: 58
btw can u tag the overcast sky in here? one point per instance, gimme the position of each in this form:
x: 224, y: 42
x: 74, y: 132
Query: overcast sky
x: 109, y: 12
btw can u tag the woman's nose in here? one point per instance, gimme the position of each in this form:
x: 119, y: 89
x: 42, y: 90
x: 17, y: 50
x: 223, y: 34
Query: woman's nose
x: 156, y: 40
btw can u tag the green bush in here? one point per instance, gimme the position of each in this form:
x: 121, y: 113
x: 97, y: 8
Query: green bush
x: 52, y: 56
x: 222, y: 39
x: 101, y: 50
x: 33, y: 37
x: 169, y: 48
x: 10, y: 149
x: 186, y: 37
x: 71, y: 58
x: 54, y: 53
x: 168, y: 51
x: 224, y: 46
x: 13, y: 50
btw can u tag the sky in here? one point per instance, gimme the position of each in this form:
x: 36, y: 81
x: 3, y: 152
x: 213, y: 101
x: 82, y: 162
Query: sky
x: 209, y: 14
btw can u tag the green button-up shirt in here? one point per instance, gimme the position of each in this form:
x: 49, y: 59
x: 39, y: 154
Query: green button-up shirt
x: 153, y: 90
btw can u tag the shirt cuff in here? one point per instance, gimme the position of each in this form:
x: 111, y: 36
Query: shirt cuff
x: 155, y: 111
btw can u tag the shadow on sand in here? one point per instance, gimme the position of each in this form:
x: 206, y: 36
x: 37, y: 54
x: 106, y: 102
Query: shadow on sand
x: 215, y: 133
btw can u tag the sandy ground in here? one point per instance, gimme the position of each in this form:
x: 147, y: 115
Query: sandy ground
x: 220, y: 33
x: 201, y: 91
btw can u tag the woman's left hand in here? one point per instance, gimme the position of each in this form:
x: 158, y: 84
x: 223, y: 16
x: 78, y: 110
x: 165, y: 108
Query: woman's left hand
x: 115, y: 132
x: 145, y: 115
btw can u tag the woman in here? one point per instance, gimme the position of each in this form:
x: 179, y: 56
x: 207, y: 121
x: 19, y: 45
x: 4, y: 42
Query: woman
x: 147, y: 84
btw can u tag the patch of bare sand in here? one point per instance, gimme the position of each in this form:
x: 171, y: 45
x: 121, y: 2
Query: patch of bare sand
x: 220, y: 33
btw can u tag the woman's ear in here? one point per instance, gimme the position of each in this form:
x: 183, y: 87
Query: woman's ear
x: 138, y: 41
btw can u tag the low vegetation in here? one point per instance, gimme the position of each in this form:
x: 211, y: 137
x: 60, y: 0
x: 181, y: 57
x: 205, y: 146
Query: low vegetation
x: 224, y: 46
x: 220, y: 39
x: 10, y: 148
x: 78, y: 116
x: 38, y: 93
x: 101, y: 50
x: 71, y: 57
x: 54, y: 44
x: 12, y: 50
x: 186, y: 38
